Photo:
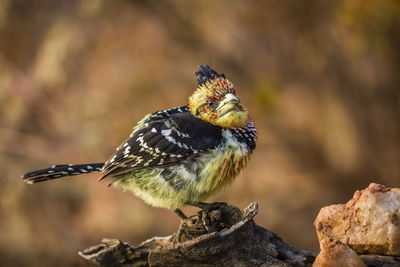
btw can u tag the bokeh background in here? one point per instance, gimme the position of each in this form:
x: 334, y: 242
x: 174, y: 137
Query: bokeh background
x: 320, y: 78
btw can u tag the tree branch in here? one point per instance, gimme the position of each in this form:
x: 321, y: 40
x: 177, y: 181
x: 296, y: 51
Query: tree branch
x: 220, y: 235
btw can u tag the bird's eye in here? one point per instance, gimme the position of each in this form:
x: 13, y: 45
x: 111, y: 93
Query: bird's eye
x: 210, y: 102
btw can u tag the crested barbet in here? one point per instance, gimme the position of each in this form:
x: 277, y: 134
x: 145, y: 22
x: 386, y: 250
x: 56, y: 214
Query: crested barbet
x: 179, y: 156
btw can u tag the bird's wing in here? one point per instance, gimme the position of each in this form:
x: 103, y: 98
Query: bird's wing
x: 161, y: 139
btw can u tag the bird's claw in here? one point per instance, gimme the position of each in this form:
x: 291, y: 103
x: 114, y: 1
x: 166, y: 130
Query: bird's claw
x: 210, y: 215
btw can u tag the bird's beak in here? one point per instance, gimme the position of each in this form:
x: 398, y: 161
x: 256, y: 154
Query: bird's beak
x: 229, y: 102
x: 231, y: 113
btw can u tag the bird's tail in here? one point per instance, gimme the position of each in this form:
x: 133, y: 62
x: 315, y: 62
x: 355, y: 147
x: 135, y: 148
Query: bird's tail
x: 58, y: 171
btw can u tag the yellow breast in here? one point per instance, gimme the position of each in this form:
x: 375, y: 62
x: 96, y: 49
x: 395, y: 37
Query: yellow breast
x: 222, y: 165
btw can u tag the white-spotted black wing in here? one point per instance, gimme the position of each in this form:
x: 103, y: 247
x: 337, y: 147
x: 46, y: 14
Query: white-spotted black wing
x: 166, y: 138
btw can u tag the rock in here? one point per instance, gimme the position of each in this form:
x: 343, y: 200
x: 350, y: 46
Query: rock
x: 337, y: 254
x: 368, y: 223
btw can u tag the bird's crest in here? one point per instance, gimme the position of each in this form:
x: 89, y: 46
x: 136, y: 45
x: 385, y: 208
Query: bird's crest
x: 206, y: 73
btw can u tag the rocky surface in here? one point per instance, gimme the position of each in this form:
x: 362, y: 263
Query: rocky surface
x: 337, y: 254
x: 369, y: 223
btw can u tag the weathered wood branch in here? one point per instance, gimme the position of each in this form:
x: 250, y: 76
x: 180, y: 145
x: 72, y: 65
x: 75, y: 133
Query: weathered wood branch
x: 221, y: 235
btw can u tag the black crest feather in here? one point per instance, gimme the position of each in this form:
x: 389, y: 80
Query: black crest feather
x: 206, y: 73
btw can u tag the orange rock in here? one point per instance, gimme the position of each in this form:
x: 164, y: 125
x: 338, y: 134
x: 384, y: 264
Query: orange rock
x: 368, y: 223
x: 337, y: 254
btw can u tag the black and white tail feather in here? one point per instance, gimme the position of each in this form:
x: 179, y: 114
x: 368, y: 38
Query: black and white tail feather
x: 59, y: 171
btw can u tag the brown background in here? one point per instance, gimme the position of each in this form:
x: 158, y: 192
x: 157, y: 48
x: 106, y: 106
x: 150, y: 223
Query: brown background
x: 320, y: 78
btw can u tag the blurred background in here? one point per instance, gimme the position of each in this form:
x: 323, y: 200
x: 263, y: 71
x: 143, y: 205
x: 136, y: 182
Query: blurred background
x: 320, y: 79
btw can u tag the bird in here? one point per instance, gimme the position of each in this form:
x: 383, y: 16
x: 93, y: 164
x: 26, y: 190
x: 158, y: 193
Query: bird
x: 179, y: 156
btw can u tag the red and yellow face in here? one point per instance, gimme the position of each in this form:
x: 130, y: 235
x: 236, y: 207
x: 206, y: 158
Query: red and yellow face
x: 215, y: 101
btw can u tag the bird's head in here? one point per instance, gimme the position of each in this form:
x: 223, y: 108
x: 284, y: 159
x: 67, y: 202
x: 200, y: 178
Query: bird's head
x: 215, y: 100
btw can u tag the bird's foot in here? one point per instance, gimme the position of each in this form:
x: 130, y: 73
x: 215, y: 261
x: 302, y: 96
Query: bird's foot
x: 213, y: 217
x: 210, y: 215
